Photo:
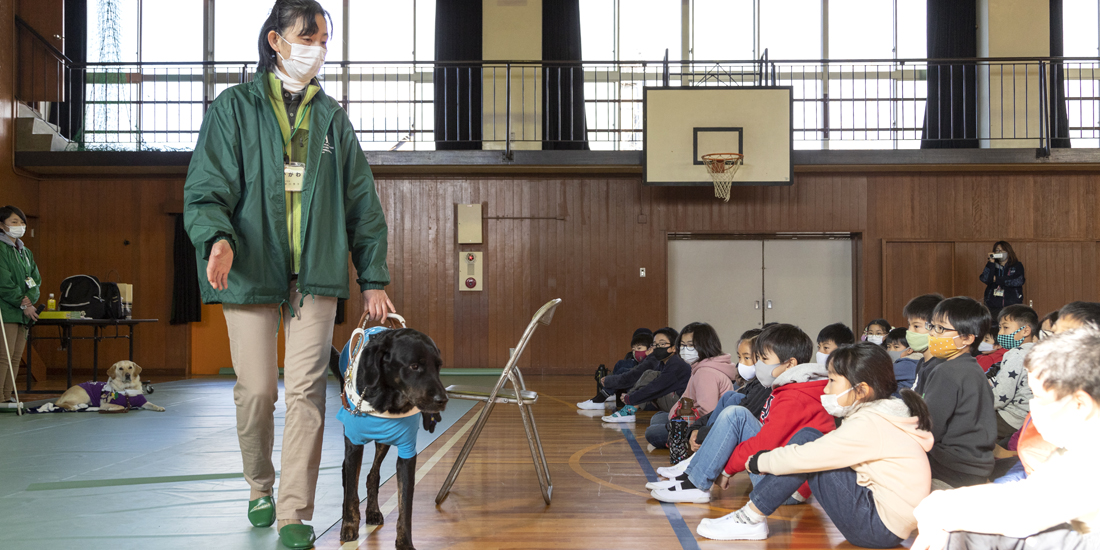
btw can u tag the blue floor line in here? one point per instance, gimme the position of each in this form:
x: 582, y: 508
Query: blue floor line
x: 683, y: 533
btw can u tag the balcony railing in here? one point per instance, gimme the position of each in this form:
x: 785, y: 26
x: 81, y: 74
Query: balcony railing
x: 838, y: 104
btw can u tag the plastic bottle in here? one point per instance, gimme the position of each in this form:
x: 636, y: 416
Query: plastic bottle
x: 51, y: 304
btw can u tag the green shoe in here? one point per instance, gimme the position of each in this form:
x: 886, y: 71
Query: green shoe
x: 297, y: 535
x: 261, y: 512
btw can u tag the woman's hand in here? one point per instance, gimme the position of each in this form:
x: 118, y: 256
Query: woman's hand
x: 217, y: 267
x: 28, y: 309
x: 377, y: 304
x: 691, y: 441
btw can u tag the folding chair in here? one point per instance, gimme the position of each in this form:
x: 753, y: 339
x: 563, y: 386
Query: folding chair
x: 518, y: 395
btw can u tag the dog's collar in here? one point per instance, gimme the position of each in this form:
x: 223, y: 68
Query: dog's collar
x: 352, y: 401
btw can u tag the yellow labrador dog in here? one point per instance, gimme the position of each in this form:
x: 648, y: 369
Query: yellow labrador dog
x: 120, y: 393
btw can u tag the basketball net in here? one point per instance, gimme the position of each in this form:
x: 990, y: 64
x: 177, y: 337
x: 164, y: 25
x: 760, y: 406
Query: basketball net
x: 722, y: 168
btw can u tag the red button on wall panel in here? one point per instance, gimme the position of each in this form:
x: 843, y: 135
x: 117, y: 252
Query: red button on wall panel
x: 471, y: 282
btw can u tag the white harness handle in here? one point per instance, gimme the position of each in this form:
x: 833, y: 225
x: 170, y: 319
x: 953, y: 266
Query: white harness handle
x: 357, y: 404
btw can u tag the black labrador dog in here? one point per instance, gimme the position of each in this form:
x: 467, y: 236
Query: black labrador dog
x: 398, y: 370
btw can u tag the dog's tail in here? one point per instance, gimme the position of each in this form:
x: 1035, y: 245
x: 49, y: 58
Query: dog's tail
x: 334, y: 364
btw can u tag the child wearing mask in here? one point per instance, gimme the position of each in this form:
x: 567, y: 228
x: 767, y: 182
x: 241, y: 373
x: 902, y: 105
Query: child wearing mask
x: 797, y: 385
x: 918, y: 314
x: 876, y: 331
x: 905, y: 361
x: 640, y: 344
x: 868, y: 474
x: 832, y: 337
x: 1017, y: 326
x: 1061, y: 508
x: 711, y: 377
x: 958, y: 396
x: 989, y: 352
x: 661, y: 378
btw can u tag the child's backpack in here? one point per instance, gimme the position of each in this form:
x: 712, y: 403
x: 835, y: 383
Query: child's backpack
x: 83, y: 293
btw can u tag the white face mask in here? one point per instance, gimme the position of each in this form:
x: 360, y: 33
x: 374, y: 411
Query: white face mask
x: 303, y: 64
x: 748, y: 372
x: 832, y: 404
x: 822, y: 359
x: 688, y: 353
x: 17, y: 232
x: 876, y: 339
x: 985, y: 347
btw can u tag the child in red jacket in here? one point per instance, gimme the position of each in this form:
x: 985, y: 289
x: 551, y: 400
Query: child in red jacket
x: 784, y: 353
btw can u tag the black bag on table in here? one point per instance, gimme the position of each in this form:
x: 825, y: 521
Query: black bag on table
x: 84, y: 293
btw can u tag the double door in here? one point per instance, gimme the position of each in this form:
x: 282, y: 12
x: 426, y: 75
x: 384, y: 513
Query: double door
x: 736, y: 285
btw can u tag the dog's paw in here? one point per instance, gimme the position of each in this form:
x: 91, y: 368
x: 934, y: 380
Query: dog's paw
x: 349, y: 531
x: 374, y: 518
x: 153, y: 407
x: 405, y: 545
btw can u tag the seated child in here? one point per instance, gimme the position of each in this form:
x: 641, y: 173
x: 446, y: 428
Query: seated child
x: 1017, y: 325
x: 831, y: 337
x: 868, y: 474
x: 711, y: 376
x: 918, y: 313
x: 905, y: 361
x: 639, y: 349
x: 661, y: 378
x: 958, y: 396
x: 752, y: 395
x: 876, y: 331
x: 989, y: 353
x: 795, y: 403
x: 1056, y: 506
x: 1046, y: 326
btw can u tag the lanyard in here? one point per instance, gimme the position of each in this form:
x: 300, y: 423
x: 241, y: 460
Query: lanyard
x: 301, y: 119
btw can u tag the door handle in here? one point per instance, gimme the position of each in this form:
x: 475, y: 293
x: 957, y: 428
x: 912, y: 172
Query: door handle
x: 769, y: 304
x: 758, y: 304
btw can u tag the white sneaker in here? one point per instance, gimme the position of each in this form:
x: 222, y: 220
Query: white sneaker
x: 676, y: 494
x: 590, y: 406
x: 652, y: 485
x: 676, y: 469
x: 728, y: 527
x: 625, y: 414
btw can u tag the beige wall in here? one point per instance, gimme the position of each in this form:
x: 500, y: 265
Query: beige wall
x: 512, y: 29
x: 1011, y: 28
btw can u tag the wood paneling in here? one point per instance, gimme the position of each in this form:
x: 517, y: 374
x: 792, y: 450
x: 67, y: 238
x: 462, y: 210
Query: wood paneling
x: 583, y: 239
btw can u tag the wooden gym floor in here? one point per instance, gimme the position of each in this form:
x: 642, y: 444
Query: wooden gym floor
x: 599, y: 498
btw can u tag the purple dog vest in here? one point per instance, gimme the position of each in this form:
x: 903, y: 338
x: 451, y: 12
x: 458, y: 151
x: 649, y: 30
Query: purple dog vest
x: 101, y: 393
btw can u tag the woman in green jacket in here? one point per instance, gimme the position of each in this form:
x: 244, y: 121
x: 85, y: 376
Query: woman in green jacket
x: 277, y: 194
x: 19, y: 280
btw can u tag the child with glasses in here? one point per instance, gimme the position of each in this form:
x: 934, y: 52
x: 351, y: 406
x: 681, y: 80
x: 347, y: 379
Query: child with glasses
x: 959, y: 398
x: 661, y: 378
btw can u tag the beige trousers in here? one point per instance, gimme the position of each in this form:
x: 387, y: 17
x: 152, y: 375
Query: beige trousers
x: 253, y: 333
x: 16, y: 336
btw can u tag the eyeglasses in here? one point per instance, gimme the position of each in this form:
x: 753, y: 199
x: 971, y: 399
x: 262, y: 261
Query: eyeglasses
x: 662, y: 346
x: 939, y: 329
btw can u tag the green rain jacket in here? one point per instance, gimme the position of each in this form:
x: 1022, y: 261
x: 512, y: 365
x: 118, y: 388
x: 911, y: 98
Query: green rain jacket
x: 234, y: 191
x: 16, y: 264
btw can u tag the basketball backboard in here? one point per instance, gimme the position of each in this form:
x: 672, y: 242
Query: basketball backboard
x: 681, y: 124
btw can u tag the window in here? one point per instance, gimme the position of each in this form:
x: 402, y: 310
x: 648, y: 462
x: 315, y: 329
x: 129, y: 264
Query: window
x: 112, y: 31
x: 237, y: 29
x: 723, y: 29
x: 1082, y: 78
x: 598, y: 30
x: 647, y: 28
x: 1079, y: 28
x: 861, y: 30
x: 790, y: 29
x: 171, y: 31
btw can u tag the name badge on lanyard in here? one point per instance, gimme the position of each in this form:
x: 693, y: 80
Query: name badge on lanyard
x: 31, y: 283
x: 293, y: 176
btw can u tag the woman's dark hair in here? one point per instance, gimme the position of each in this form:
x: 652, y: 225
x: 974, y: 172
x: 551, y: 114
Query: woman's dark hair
x: 896, y: 336
x: 785, y: 341
x: 880, y: 322
x: 866, y: 363
x: 705, y: 339
x: 285, y: 14
x: 968, y: 316
x: 1012, y: 259
x: 8, y: 210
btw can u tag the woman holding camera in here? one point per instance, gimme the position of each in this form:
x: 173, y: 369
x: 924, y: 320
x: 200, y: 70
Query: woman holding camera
x: 1003, y: 277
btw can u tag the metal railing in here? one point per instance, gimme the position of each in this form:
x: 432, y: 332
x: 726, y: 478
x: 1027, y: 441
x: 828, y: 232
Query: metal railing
x: 838, y: 104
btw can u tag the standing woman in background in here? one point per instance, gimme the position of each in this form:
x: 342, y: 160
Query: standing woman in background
x: 1003, y: 277
x: 19, y: 280
x: 277, y: 194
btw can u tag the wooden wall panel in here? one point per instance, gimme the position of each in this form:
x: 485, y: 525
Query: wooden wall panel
x: 583, y: 239
x: 911, y: 269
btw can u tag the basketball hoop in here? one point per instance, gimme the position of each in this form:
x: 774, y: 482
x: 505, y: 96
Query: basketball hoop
x: 722, y: 167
